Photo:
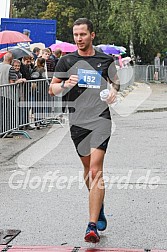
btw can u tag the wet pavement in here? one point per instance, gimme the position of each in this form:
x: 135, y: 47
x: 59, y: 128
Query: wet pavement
x: 42, y: 192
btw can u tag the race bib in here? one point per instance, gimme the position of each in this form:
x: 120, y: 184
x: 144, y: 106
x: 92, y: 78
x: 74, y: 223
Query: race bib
x: 89, y: 78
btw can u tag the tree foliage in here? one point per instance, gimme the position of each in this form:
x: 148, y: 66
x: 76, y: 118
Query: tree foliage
x: 144, y: 22
x: 65, y: 17
x: 28, y: 8
x: 66, y: 12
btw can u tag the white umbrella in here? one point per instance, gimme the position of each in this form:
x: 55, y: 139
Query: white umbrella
x: 39, y: 45
x: 58, y: 41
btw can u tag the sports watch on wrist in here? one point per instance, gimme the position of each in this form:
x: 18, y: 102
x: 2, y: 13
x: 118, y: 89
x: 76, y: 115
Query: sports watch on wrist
x: 62, y: 84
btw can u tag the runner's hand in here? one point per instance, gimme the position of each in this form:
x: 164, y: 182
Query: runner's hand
x: 71, y: 82
x: 50, y: 91
x: 112, y: 96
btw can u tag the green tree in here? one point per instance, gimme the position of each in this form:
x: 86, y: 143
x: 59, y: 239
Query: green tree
x: 66, y: 12
x: 139, y: 23
x: 142, y: 24
x: 28, y: 8
x: 99, y: 12
x: 65, y: 17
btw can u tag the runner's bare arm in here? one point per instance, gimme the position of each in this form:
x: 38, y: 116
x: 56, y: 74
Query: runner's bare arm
x: 57, y: 85
x: 115, y: 87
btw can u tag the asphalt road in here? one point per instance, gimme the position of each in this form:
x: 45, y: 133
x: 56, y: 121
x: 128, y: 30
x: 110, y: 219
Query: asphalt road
x: 57, y: 213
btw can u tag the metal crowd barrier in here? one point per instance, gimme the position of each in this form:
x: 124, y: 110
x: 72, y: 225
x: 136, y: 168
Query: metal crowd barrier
x: 126, y: 77
x: 141, y: 73
x: 130, y: 74
x: 26, y: 103
x: 19, y: 102
x: 8, y: 113
x: 156, y: 76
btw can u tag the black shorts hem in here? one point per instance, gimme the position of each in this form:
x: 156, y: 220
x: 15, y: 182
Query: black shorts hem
x: 85, y: 139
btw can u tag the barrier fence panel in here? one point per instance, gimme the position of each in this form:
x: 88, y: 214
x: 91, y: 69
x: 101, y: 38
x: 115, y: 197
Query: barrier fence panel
x: 156, y: 75
x: 8, y: 110
x: 140, y: 73
x: 36, y: 104
x: 25, y: 103
x: 126, y: 77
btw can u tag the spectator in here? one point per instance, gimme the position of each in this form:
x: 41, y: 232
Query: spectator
x: 26, y: 67
x: 57, y: 54
x: 7, y: 75
x: 26, y: 71
x: 41, y: 91
x: 7, y: 72
x: 39, y: 70
x: 52, y: 56
x: 32, y: 61
x: 164, y: 63
x: 50, y: 65
x: 16, y: 65
x: 36, y: 52
x: 157, y: 65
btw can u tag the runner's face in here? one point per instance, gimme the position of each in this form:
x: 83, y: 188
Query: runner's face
x: 82, y: 37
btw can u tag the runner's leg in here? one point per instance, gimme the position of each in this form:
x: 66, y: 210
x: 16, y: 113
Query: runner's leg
x: 86, y: 163
x: 93, y: 166
x: 97, y: 190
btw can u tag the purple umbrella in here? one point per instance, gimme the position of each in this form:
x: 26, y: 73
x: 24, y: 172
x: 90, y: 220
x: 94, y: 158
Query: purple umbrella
x: 109, y: 49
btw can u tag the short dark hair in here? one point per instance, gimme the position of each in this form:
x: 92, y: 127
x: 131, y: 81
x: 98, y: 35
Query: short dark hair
x: 86, y: 21
x: 36, y: 49
x: 27, y: 57
x: 58, y: 52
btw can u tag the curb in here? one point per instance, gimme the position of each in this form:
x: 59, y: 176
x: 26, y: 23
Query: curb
x: 130, y: 89
x: 151, y: 110
x: 30, y: 142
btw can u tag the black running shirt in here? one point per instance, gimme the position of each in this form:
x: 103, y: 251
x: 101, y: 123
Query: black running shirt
x: 84, y: 99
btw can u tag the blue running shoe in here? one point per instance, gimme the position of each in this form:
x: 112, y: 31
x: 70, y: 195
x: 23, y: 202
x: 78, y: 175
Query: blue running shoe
x: 102, y: 222
x: 91, y: 233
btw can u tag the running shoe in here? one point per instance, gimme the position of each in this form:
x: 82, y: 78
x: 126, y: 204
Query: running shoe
x: 91, y: 233
x: 102, y: 222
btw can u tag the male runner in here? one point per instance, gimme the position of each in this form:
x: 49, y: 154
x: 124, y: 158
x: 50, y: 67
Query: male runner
x: 82, y: 75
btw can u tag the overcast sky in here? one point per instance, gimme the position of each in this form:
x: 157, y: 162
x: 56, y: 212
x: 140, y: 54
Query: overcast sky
x: 4, y: 10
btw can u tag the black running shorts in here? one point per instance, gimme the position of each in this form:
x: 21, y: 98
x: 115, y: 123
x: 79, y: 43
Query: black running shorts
x: 85, y: 139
